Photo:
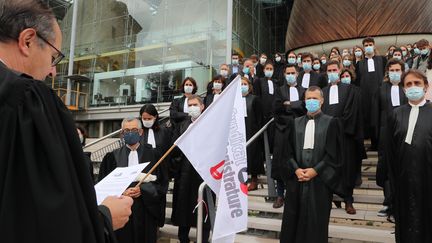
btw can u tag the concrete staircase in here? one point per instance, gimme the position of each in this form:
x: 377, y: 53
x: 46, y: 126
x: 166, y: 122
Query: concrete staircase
x: 264, y: 221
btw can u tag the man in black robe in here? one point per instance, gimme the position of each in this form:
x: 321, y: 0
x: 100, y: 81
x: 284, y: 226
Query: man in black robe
x: 311, y: 174
x: 370, y: 74
x: 408, y: 155
x: 342, y: 103
x: 308, y: 77
x: 289, y: 104
x: 187, y: 181
x: 47, y: 194
x: 148, y: 209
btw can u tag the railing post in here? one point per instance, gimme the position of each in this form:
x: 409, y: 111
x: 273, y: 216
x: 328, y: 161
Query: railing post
x: 270, y: 181
x: 200, y: 212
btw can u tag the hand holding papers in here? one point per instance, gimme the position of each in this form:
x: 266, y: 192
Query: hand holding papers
x: 117, y: 181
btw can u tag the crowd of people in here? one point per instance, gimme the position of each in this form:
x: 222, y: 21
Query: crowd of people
x: 324, y: 107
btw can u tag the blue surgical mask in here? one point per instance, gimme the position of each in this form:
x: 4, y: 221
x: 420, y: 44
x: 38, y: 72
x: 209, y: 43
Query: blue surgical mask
x: 424, y: 52
x: 323, y: 61
x: 235, y: 61
x: 291, y: 79
x: 358, y: 53
x: 346, y: 63
x: 244, y: 89
x: 416, y: 51
x: 312, y: 105
x: 307, y: 66
x: 298, y: 60
x: 333, y: 77
x: 414, y: 93
x: 395, y: 77
x: 404, y: 53
x: 246, y: 70
x: 397, y: 57
x: 268, y: 74
x: 346, y: 80
x: 131, y: 138
x: 291, y: 60
x: 369, y: 49
x: 316, y: 67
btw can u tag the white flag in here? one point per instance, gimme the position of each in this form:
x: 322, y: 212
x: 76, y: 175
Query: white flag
x: 215, y: 144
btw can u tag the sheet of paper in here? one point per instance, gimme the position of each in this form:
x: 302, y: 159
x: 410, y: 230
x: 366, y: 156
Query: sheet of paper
x: 294, y: 96
x: 270, y: 87
x: 334, y: 95
x: 116, y: 182
x: 395, y: 95
x: 371, y: 65
x: 306, y: 80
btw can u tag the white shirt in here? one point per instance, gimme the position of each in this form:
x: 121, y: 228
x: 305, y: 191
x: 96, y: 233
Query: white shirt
x: 334, y: 95
x: 412, y: 121
x: 133, y: 157
x: 306, y: 80
x: 270, y: 86
x: 185, y: 106
x: 293, y: 93
x: 395, y: 98
x: 309, y: 138
x: 150, y: 138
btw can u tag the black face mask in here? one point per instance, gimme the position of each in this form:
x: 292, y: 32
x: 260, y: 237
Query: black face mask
x: 131, y: 138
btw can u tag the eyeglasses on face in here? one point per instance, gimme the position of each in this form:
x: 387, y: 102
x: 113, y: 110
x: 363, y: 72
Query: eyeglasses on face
x: 55, y: 59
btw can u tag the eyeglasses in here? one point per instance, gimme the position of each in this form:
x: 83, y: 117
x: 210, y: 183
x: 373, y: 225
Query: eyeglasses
x: 127, y: 130
x: 55, y: 59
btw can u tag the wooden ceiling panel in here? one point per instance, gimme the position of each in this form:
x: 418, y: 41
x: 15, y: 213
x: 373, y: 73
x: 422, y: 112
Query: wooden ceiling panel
x: 313, y: 22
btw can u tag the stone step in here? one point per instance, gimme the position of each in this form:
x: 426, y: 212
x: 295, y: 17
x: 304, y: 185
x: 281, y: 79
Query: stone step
x: 363, y: 233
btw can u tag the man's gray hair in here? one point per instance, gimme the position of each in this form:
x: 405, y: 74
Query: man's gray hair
x: 18, y: 15
x: 130, y: 119
x: 315, y: 88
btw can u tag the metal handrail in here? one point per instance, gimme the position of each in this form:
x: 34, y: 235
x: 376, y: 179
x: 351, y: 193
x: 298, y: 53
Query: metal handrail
x: 261, y: 131
x: 118, y: 131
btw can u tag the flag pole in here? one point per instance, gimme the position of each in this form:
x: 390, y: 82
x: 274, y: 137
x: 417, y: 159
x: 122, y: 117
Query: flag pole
x: 155, y: 166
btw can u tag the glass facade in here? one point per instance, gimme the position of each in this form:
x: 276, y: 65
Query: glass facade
x: 137, y: 51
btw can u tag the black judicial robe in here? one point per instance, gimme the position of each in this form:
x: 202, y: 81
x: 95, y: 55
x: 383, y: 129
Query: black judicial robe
x: 308, y: 204
x: 284, y: 117
x: 369, y: 83
x: 177, y: 114
x: 209, y: 99
x: 254, y: 122
x: 163, y: 139
x: 186, y: 184
x: 316, y: 79
x: 381, y: 109
x: 259, y: 70
x: 279, y: 70
x: 148, y: 210
x: 411, y: 173
x: 47, y: 194
x: 348, y: 114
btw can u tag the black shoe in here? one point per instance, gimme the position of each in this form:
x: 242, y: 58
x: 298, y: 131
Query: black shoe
x: 338, y: 204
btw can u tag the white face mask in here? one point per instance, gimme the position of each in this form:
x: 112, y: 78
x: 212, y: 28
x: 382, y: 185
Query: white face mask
x: 194, y: 111
x: 81, y: 138
x: 188, y: 89
x: 224, y: 73
x: 263, y: 60
x: 148, y: 123
x: 217, y: 86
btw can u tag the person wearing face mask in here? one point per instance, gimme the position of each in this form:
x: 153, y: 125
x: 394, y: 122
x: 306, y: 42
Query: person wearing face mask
x: 370, y: 74
x: 358, y: 54
x: 253, y: 122
x: 156, y: 135
x: 187, y: 182
x: 224, y: 71
x: 82, y: 134
x: 179, y: 108
x: 389, y: 97
x: 342, y: 103
x: 288, y: 105
x: 279, y: 64
x: 308, y: 77
x: 390, y: 51
x: 420, y: 62
x: 217, y: 85
x: 347, y: 62
x: 406, y: 57
x: 259, y: 67
x: 148, y: 209
x: 291, y: 58
x: 311, y: 173
x: 235, y: 65
x: 407, y: 153
x: 248, y: 71
x: 316, y: 65
x: 398, y: 55
x: 323, y: 60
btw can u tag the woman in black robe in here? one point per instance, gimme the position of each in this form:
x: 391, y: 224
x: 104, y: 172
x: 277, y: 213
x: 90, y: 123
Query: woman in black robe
x: 384, y: 106
x: 178, y: 107
x: 253, y: 122
x: 217, y: 86
x: 410, y: 163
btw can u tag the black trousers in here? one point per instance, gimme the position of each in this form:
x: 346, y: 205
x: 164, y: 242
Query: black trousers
x: 183, y: 234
